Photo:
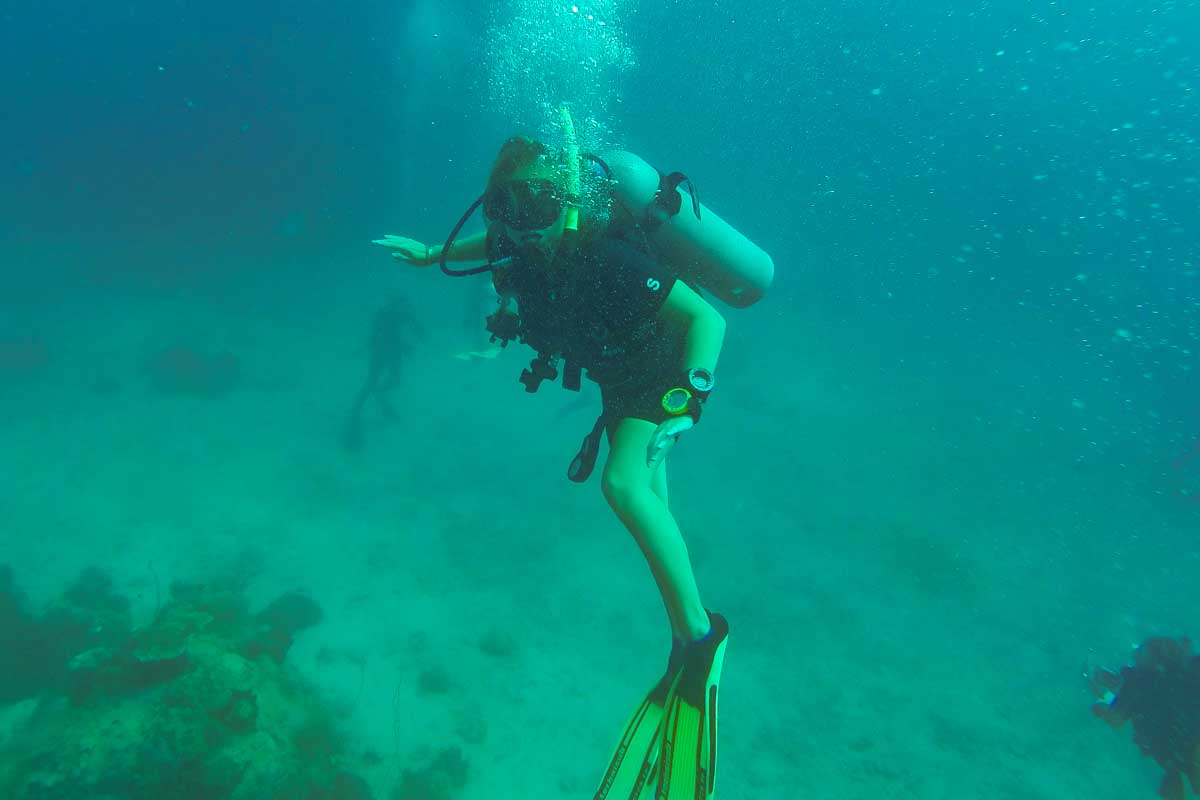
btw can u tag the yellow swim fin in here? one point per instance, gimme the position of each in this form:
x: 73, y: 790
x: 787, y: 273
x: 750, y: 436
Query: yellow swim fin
x: 632, y: 772
x: 687, y: 768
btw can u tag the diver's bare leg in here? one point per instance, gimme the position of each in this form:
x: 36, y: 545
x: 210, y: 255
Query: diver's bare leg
x: 352, y: 429
x: 630, y: 488
x: 383, y: 377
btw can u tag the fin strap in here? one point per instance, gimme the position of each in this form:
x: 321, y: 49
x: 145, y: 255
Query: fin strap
x: 585, y: 460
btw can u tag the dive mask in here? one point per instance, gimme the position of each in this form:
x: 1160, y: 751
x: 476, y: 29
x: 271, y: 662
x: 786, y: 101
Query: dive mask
x: 524, y: 205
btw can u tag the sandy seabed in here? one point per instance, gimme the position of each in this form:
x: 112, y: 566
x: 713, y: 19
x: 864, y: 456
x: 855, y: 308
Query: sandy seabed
x: 916, y: 586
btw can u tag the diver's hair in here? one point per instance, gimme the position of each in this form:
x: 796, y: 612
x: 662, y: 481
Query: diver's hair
x: 516, y: 154
x: 522, y: 152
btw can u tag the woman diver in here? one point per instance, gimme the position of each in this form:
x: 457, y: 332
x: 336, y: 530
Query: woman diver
x: 592, y: 259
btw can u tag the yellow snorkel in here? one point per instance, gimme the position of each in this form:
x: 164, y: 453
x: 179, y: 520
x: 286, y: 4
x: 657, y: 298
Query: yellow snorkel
x: 571, y: 144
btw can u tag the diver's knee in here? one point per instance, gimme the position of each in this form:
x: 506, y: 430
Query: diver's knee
x: 619, y: 490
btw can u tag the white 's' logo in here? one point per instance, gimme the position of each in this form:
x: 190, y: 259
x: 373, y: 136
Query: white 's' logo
x: 653, y: 285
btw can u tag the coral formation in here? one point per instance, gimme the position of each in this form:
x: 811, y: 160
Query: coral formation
x: 185, y: 707
x: 34, y: 651
x: 1160, y: 695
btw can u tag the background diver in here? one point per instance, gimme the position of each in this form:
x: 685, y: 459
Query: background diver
x: 592, y: 257
x: 387, y: 345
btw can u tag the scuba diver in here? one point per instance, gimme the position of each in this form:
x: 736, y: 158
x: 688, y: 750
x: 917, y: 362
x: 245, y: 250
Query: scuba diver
x: 594, y: 259
x: 386, y: 347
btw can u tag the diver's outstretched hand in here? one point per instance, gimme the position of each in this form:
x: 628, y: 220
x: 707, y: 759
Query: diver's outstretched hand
x: 664, y: 435
x: 410, y: 251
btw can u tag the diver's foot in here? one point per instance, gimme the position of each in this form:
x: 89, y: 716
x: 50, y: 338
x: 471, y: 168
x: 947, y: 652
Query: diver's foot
x: 699, y: 631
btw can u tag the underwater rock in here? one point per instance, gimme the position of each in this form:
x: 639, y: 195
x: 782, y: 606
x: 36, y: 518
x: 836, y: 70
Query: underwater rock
x: 266, y: 642
x: 316, y: 737
x: 93, y: 593
x: 225, y: 689
x: 240, y: 713
x: 433, y: 681
x: 278, y: 625
x: 186, y: 370
x: 15, y: 717
x: 22, y: 677
x: 218, y: 777
x: 291, y: 613
x: 35, y: 652
x: 146, y: 673
x: 346, y: 786
x: 167, y: 637
x: 99, y: 671
x: 223, y: 601
x: 498, y: 643
x: 104, y: 672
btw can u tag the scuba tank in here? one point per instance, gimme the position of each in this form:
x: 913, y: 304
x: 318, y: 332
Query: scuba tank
x: 700, y: 247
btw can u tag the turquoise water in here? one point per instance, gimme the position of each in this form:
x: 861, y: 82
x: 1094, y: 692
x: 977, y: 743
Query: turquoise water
x: 951, y: 466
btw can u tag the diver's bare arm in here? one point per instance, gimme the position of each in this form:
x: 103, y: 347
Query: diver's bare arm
x: 704, y: 333
x: 704, y: 326
x: 465, y: 248
x: 419, y: 254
